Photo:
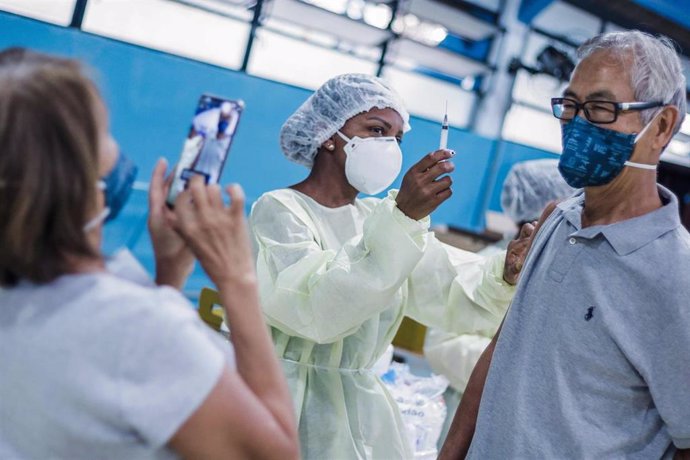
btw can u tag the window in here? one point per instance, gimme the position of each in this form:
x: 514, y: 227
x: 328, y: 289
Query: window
x: 277, y: 57
x: 536, y: 90
x: 171, y: 27
x: 528, y: 126
x: 427, y: 97
x: 564, y: 20
x: 55, y: 11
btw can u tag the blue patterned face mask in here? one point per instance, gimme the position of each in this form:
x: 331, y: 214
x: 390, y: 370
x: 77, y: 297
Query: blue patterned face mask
x: 118, y: 185
x: 593, y: 155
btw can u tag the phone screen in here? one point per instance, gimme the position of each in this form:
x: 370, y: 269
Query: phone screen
x: 208, y: 142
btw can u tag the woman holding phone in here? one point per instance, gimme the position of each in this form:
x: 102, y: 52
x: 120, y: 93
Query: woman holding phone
x: 94, y: 364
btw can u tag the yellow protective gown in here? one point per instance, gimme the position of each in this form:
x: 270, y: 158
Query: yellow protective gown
x: 335, y: 284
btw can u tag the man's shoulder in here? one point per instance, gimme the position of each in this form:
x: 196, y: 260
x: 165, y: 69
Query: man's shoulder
x: 673, y: 247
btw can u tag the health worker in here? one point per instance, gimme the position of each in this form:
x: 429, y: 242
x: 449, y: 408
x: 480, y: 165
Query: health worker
x: 337, y: 273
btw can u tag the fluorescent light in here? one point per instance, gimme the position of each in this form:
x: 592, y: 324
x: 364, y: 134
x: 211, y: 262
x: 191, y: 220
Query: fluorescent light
x: 404, y: 50
x: 450, y: 18
x: 425, y: 32
x: 313, y: 17
x: 378, y: 15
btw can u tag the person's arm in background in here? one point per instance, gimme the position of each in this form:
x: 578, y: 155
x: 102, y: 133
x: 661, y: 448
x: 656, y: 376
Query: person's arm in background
x: 249, y: 413
x: 464, y: 293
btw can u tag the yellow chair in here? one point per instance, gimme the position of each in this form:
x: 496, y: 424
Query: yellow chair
x: 410, y: 336
x: 210, y: 308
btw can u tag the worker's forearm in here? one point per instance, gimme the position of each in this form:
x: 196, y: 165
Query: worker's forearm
x: 462, y: 430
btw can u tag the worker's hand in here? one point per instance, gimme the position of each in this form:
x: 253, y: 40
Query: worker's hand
x: 517, y: 252
x: 174, y: 259
x: 520, y: 246
x: 217, y: 234
x: 423, y: 189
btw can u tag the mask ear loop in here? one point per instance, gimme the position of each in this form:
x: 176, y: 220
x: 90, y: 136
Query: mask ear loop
x: 343, y: 136
x: 637, y: 138
x: 93, y: 223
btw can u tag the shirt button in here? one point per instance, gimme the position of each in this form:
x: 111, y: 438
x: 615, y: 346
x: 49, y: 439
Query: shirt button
x: 572, y: 241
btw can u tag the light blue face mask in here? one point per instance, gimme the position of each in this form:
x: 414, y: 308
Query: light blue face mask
x: 593, y: 155
x: 118, y: 185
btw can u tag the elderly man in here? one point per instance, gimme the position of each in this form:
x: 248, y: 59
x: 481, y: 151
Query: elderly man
x: 593, y: 357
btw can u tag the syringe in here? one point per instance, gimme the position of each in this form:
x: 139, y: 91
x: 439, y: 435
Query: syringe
x: 443, y: 144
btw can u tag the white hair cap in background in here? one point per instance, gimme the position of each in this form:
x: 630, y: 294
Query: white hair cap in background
x: 530, y: 186
x: 327, y: 110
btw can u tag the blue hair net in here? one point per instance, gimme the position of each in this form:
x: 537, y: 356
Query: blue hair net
x: 327, y: 110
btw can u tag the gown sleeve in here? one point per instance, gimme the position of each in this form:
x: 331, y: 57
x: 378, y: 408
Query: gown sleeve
x: 321, y: 294
x: 458, y: 291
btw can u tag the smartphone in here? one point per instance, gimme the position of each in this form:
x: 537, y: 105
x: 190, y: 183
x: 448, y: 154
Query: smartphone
x: 208, y: 142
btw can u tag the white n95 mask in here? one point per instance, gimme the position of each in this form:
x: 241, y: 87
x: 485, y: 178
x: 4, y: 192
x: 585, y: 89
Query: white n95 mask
x: 372, y: 163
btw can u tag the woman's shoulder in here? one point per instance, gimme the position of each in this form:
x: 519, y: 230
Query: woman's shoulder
x: 285, y: 202
x: 105, y: 299
x: 158, y: 303
x: 281, y: 197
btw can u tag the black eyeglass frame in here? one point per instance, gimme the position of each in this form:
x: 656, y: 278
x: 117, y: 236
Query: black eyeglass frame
x: 617, y: 106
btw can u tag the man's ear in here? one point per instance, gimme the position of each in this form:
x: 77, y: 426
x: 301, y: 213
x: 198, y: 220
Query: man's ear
x: 665, y: 124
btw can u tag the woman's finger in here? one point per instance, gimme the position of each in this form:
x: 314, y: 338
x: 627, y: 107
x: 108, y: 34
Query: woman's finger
x: 157, y: 187
x: 526, y: 231
x: 198, y: 190
x: 236, y: 200
x: 431, y: 159
x: 215, y: 198
x: 185, y: 212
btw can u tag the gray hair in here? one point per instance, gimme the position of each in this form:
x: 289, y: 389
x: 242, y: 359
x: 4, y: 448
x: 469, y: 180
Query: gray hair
x: 656, y: 73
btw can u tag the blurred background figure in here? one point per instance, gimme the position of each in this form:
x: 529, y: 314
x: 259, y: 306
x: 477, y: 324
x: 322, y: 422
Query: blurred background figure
x: 528, y: 188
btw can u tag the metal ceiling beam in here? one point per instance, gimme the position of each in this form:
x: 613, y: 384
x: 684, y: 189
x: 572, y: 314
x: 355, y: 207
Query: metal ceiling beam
x: 78, y: 14
x: 256, y: 20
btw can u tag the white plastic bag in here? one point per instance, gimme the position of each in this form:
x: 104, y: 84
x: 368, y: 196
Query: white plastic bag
x: 421, y: 404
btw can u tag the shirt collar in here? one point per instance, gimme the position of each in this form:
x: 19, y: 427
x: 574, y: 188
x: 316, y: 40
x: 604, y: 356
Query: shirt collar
x: 572, y: 208
x: 631, y: 234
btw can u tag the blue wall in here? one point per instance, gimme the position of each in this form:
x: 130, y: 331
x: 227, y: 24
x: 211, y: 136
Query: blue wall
x: 509, y: 153
x: 152, y: 95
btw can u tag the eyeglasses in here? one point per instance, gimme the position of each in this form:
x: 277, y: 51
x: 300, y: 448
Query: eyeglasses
x: 596, y: 111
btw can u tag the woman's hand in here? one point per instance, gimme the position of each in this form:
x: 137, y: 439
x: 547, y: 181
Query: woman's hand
x: 422, y: 191
x: 520, y: 246
x: 174, y: 259
x: 517, y: 252
x: 217, y: 234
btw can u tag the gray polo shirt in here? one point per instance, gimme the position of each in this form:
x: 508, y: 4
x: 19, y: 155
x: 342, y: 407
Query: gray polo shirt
x: 593, y: 360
